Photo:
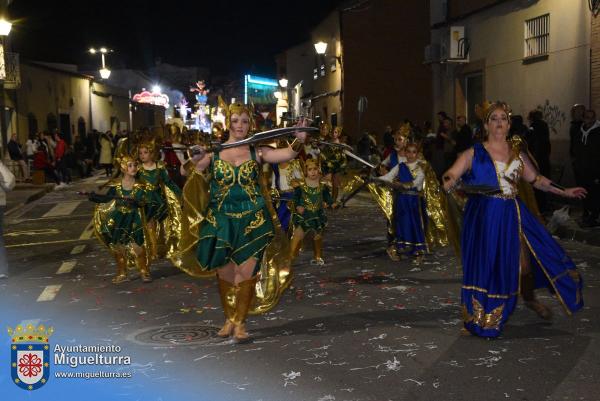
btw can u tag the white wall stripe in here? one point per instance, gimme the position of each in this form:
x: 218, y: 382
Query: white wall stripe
x: 66, y: 267
x: 49, y: 293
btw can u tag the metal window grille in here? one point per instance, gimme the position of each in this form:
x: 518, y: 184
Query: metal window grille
x: 537, y: 36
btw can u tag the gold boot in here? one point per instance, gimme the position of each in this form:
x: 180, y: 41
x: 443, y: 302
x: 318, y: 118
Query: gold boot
x: 225, y: 288
x: 152, y: 243
x: 244, y: 294
x: 318, y: 251
x: 295, y: 245
x: 142, y: 264
x: 121, y: 275
x: 527, y: 292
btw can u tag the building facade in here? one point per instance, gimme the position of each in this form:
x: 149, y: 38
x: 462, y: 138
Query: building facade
x: 531, y: 54
x: 57, y: 98
x: 375, y: 53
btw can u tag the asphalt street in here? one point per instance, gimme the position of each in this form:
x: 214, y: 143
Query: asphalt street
x: 359, y: 328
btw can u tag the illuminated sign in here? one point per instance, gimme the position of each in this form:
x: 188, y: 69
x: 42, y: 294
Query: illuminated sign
x: 156, y: 98
x: 259, y: 90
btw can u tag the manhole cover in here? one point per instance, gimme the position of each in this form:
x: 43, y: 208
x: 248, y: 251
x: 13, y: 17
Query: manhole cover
x: 175, y: 334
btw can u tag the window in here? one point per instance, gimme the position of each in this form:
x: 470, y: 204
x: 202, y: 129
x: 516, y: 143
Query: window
x: 537, y: 36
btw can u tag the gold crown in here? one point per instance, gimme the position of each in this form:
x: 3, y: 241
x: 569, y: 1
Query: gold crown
x: 30, y: 333
x: 235, y: 108
x: 404, y: 130
x: 488, y: 108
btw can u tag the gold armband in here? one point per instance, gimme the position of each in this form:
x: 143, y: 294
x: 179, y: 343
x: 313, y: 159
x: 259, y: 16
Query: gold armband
x: 296, y: 145
x: 536, y: 179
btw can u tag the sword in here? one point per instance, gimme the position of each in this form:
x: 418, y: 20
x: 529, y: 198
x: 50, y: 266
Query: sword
x: 256, y: 138
x: 348, y: 151
x: 358, y: 158
x: 393, y: 186
x: 333, y: 144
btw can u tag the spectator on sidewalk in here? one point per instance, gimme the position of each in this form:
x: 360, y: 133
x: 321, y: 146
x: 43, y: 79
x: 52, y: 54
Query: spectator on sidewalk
x: 30, y: 148
x: 60, y: 154
x: 41, y: 161
x: 16, y: 155
x: 517, y: 127
x: 577, y: 114
x: 388, y: 141
x: 462, y: 135
x: 587, y: 155
x: 7, y: 183
x: 49, y: 139
x: 106, y: 153
x: 83, y: 163
x: 538, y: 140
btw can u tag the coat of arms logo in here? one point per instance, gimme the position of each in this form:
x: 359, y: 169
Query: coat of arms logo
x: 30, y: 355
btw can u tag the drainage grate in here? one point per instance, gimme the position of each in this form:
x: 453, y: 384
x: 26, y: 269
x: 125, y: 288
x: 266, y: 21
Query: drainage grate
x: 175, y: 335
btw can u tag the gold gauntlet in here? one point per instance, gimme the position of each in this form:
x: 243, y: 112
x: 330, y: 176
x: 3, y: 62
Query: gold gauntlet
x: 296, y: 145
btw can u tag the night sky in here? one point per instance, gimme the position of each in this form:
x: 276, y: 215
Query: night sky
x: 228, y: 37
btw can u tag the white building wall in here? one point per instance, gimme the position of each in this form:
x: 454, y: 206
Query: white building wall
x: 497, y: 38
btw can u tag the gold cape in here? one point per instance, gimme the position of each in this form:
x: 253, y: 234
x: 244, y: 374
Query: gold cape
x: 275, y: 273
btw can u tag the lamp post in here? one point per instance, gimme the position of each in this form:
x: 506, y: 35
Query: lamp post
x: 5, y: 27
x: 104, y: 72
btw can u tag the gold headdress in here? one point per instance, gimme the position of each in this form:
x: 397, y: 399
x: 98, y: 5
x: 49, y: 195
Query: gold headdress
x: 235, y: 108
x: 495, y: 106
x: 123, y: 161
x: 311, y: 163
x: 404, y: 130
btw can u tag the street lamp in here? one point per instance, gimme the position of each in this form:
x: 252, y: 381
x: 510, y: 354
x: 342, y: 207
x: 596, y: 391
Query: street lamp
x: 104, y: 72
x: 321, y: 47
x: 5, y: 27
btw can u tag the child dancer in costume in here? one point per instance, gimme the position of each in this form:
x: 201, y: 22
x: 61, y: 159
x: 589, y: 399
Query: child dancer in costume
x: 119, y: 221
x: 286, y: 177
x: 383, y: 196
x: 409, y: 215
x: 163, y: 210
x: 310, y: 199
x: 333, y: 162
x: 505, y: 249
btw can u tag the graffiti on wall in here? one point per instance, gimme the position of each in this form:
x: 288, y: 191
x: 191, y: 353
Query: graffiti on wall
x: 553, y: 116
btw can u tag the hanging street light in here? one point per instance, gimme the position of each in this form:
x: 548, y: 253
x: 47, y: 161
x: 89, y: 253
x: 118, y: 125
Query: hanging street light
x: 104, y: 71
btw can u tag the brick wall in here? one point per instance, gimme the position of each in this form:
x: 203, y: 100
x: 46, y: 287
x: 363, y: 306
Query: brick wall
x: 383, y: 47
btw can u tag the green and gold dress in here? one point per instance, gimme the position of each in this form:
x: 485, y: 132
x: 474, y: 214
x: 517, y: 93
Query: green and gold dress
x: 155, y: 181
x: 237, y: 225
x: 119, y: 218
x: 311, y: 198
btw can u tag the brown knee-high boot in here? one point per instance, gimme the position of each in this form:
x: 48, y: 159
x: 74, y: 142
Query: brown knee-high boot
x: 142, y: 264
x: 244, y: 294
x: 317, y: 250
x: 225, y: 292
x: 121, y: 275
x: 528, y: 294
